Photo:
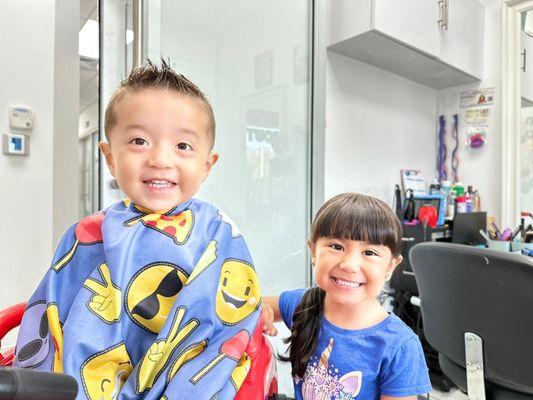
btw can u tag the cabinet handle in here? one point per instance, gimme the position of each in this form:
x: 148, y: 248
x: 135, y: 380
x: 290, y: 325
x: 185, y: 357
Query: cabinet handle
x: 445, y: 9
x: 443, y: 14
x: 440, y: 21
x: 524, y: 61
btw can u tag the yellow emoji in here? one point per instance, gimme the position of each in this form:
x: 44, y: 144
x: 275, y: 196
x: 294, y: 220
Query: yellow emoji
x: 105, y: 301
x: 238, y: 292
x: 158, y: 355
x: 57, y: 336
x: 104, y: 373
x: 152, y: 292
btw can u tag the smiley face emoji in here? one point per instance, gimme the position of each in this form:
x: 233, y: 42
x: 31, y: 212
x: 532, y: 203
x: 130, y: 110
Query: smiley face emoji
x: 104, y: 373
x: 238, y: 292
x: 152, y: 292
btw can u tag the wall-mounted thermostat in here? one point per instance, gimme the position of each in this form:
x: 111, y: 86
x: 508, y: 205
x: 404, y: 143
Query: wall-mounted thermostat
x: 15, y: 144
x: 20, y: 117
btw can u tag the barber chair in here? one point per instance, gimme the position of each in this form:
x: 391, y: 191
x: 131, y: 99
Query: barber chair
x: 476, y: 307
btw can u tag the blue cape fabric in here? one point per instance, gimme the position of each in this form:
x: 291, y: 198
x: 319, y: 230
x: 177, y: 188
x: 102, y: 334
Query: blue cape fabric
x: 146, y: 305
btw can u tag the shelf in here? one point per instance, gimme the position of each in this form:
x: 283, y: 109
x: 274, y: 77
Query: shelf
x: 385, y: 52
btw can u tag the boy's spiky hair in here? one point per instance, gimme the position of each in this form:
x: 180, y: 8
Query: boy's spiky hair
x: 159, y: 77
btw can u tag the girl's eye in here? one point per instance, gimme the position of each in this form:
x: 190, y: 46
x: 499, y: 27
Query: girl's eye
x: 139, y: 142
x: 370, y: 253
x: 184, y: 146
x: 336, y: 247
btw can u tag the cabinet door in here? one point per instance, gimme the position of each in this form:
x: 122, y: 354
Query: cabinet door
x: 526, y: 66
x: 462, y: 40
x: 412, y: 22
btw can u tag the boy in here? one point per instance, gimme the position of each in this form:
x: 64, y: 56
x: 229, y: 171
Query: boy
x: 155, y: 297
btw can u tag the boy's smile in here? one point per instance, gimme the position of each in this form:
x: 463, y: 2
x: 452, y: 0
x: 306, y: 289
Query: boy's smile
x: 160, y: 148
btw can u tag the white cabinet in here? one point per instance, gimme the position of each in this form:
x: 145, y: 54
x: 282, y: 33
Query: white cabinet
x: 413, y: 22
x: 461, y: 42
x: 436, y: 43
x: 526, y: 68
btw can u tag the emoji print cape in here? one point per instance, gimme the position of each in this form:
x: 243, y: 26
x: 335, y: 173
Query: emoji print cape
x: 146, y: 305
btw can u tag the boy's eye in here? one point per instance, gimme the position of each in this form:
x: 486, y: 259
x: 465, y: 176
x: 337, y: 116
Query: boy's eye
x: 139, y: 142
x: 184, y: 146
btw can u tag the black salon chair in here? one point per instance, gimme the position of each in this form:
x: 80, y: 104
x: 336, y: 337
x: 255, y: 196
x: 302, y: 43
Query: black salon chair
x: 478, y: 303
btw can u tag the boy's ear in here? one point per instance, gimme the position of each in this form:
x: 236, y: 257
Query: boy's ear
x: 212, y: 159
x: 105, y: 148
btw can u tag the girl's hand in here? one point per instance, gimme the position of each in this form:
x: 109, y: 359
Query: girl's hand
x: 267, y: 313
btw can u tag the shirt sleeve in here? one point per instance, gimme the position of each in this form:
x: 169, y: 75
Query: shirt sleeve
x: 288, y: 301
x: 406, y: 373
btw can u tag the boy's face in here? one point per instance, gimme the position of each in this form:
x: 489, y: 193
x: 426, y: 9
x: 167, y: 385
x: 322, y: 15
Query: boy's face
x: 159, y: 149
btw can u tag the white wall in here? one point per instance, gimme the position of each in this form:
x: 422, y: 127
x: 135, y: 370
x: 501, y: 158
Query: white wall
x: 376, y: 124
x: 40, y: 37
x: 482, y: 167
x: 66, y: 109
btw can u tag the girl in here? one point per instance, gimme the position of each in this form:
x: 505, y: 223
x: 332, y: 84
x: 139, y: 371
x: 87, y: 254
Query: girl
x: 343, y: 343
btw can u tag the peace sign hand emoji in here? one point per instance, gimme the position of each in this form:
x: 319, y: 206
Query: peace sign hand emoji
x: 159, y: 353
x: 105, y: 303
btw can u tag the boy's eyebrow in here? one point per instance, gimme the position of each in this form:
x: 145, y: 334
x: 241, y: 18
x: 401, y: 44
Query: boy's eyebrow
x: 136, y: 126
x: 144, y: 128
x: 187, y: 130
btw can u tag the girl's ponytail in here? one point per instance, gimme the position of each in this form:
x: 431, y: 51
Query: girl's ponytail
x: 305, y: 330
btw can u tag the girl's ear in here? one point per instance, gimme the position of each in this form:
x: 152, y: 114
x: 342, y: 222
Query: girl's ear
x: 392, y: 266
x: 311, y: 247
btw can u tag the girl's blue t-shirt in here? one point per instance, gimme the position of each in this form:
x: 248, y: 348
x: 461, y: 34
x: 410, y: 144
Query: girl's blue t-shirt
x: 385, y: 359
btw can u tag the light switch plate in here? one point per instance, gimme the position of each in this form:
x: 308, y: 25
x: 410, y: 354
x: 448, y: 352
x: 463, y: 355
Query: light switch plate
x: 15, y: 144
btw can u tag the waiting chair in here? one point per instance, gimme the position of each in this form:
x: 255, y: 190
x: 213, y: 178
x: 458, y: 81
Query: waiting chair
x: 477, y: 307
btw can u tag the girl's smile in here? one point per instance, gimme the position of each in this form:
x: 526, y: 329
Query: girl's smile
x: 351, y: 272
x: 345, y: 284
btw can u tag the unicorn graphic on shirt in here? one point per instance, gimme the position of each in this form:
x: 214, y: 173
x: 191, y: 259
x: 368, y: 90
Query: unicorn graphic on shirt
x: 321, y: 382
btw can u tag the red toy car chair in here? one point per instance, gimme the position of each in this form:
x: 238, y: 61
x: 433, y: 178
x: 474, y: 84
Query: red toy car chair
x: 260, y: 383
x: 9, y: 319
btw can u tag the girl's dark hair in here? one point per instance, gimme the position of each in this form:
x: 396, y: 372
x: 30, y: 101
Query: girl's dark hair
x: 350, y: 216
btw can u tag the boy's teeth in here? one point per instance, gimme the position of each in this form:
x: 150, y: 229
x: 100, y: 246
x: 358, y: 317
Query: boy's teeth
x: 159, y: 183
x: 347, y: 283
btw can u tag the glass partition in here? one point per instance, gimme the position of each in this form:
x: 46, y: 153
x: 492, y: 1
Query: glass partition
x: 252, y: 59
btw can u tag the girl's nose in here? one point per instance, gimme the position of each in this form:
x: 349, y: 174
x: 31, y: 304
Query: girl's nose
x: 351, y: 262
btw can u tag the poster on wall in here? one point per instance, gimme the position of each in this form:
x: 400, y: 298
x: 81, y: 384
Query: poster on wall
x: 479, y: 97
x: 477, y: 116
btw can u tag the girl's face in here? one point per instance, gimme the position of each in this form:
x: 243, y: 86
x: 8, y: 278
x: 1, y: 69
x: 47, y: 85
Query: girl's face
x: 351, y: 272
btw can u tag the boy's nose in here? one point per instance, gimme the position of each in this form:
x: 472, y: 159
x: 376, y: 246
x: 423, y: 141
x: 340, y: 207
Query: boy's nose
x: 160, y: 157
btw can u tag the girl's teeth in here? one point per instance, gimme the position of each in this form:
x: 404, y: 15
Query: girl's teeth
x: 347, y: 283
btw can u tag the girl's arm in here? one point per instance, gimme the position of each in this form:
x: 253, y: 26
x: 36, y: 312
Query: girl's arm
x: 398, y: 398
x: 270, y: 314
